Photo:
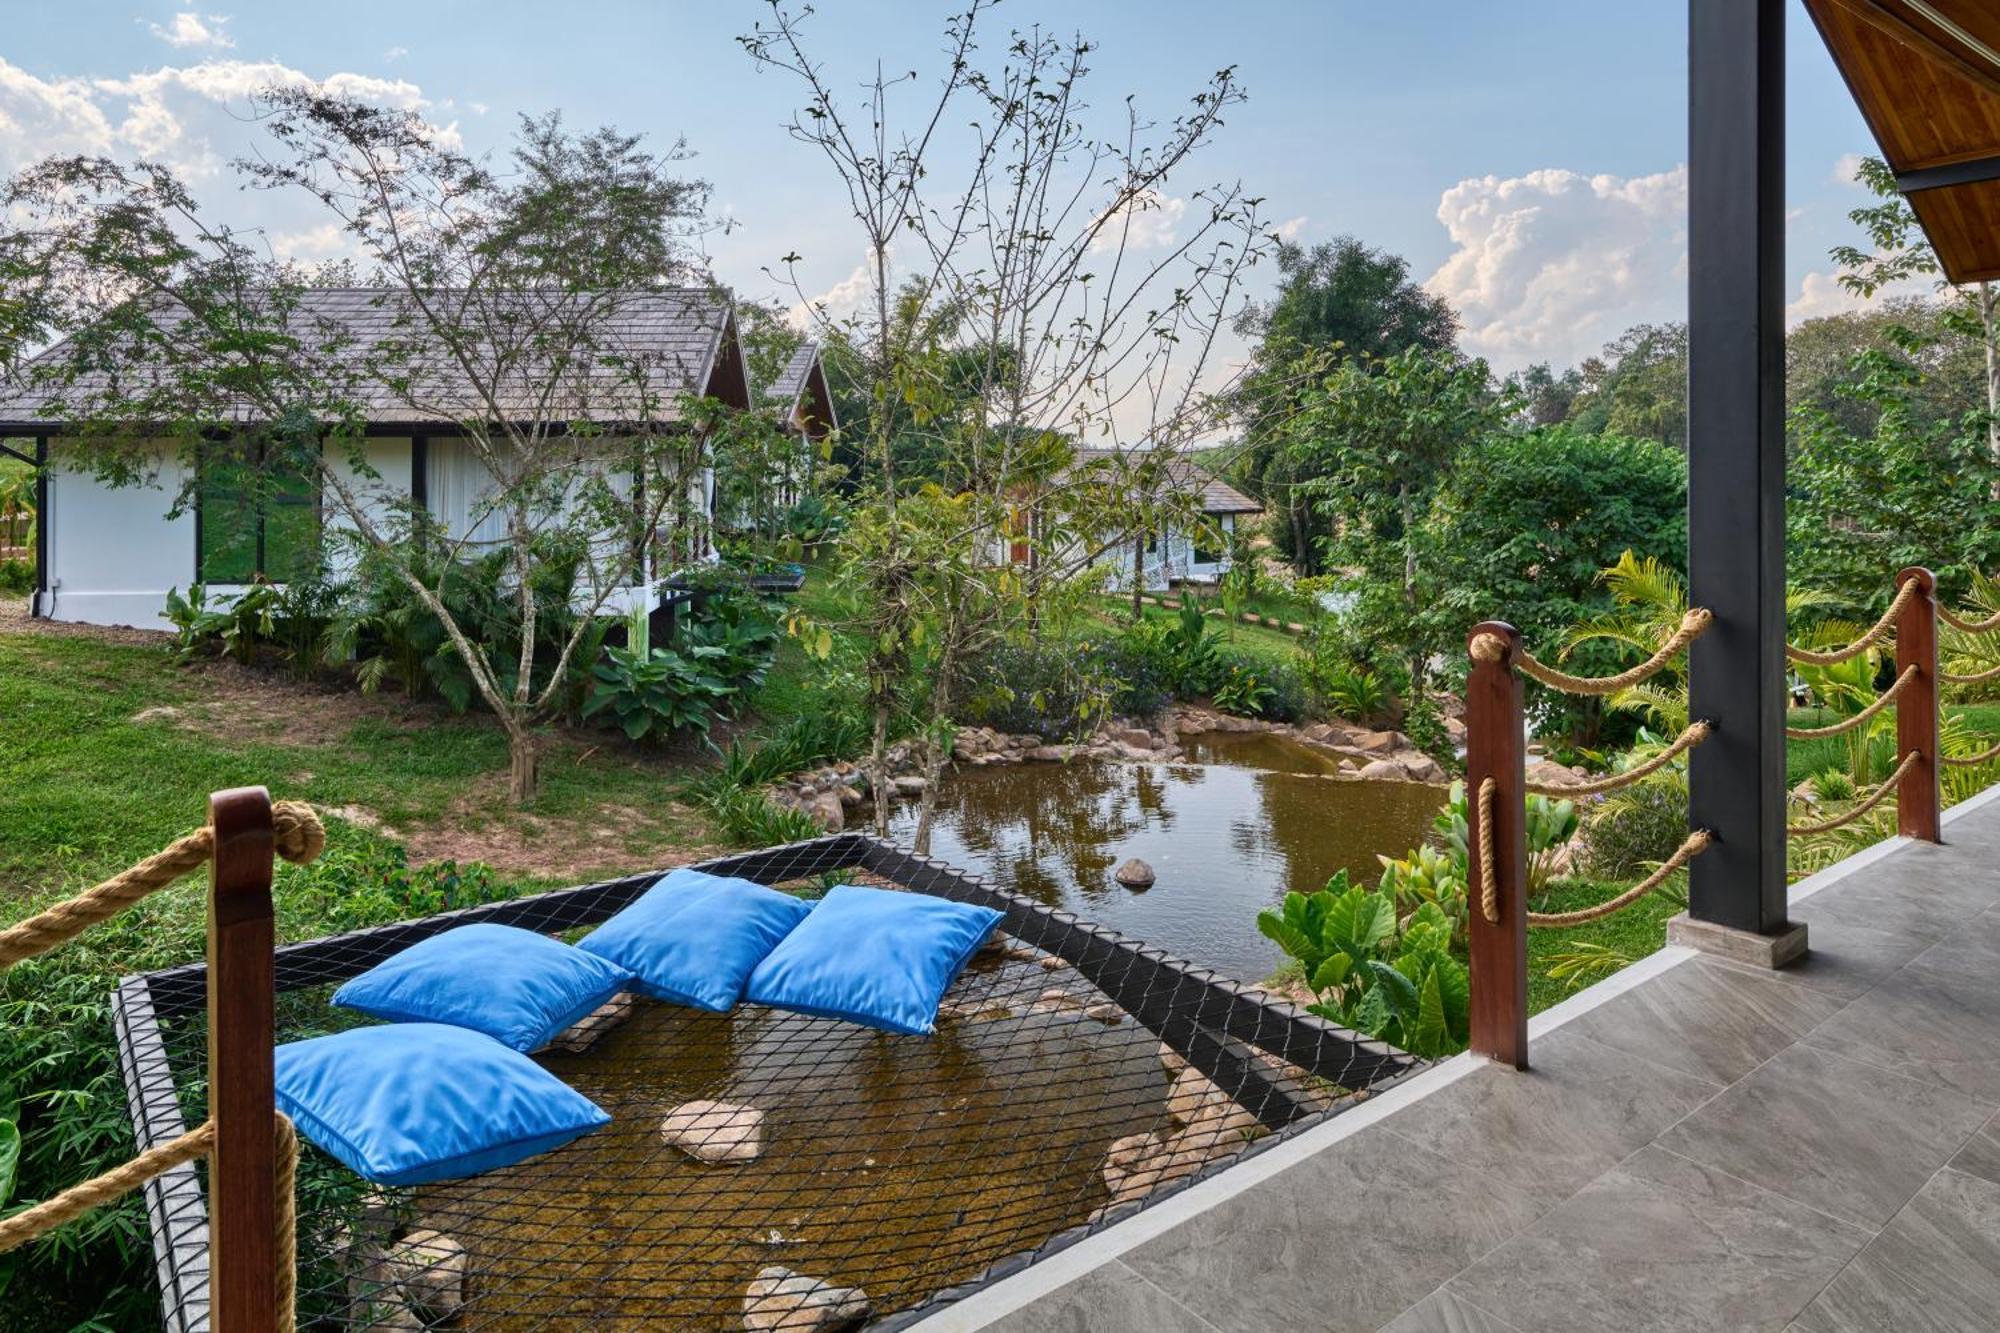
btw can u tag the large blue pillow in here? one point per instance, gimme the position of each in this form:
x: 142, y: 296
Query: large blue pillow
x: 873, y: 956
x: 520, y: 988
x: 693, y: 938
x: 415, y: 1102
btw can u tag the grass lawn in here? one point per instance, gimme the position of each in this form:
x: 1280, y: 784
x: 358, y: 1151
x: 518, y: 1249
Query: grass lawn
x: 1805, y: 758
x: 1271, y: 644
x: 110, y: 750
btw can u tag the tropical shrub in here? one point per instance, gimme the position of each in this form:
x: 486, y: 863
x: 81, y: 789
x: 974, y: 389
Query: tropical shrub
x: 1053, y: 689
x: 1392, y: 979
x: 17, y: 577
x: 1630, y: 831
x: 1551, y: 824
x: 1427, y: 876
x: 1243, y: 689
x: 653, y: 694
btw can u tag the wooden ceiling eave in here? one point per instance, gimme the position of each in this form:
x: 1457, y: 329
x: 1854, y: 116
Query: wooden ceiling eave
x: 1921, y: 74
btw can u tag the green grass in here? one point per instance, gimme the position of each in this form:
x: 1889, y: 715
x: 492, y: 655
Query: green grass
x: 1270, y: 644
x: 1634, y: 932
x: 1805, y: 758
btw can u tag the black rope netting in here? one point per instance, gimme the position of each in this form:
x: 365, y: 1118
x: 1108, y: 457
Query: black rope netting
x: 1074, y: 1077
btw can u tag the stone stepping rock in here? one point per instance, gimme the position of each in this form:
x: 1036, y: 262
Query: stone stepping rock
x: 715, y: 1132
x: 780, y: 1299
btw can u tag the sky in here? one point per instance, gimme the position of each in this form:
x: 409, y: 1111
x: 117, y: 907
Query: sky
x: 1527, y: 159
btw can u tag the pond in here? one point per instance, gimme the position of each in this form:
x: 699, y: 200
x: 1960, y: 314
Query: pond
x: 1229, y: 830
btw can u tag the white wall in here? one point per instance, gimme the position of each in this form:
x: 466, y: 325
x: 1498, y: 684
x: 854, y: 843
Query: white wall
x: 379, y: 494
x: 113, y: 552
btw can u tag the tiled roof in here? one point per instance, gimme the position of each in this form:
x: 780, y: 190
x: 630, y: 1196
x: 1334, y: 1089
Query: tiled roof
x: 791, y: 381
x: 650, y: 348
x: 1217, y: 496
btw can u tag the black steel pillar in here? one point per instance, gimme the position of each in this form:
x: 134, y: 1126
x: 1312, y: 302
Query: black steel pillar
x: 1736, y: 455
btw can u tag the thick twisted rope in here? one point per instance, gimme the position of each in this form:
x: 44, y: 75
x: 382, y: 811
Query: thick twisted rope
x: 114, y: 1184
x: 288, y: 1222
x: 1491, y: 648
x: 1697, y: 842
x: 1695, y: 734
x: 300, y: 838
x: 1876, y: 797
x: 1958, y: 622
x: 1970, y: 678
x: 1489, y: 890
x: 1876, y: 632
x: 1971, y: 760
x: 1886, y: 698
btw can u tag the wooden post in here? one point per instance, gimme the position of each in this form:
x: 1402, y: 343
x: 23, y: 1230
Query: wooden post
x: 1917, y: 802
x: 242, y: 1000
x: 1496, y: 747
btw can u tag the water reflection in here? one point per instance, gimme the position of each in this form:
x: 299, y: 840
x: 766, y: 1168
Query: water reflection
x: 1244, y: 819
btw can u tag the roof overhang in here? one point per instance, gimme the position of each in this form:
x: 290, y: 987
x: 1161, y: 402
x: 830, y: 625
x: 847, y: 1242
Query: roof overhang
x: 1926, y: 75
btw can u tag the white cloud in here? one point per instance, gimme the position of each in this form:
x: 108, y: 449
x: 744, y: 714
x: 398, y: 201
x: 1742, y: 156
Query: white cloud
x: 841, y: 301
x: 396, y: 53
x: 1844, y: 169
x: 326, y: 241
x: 1820, y: 295
x: 39, y: 117
x: 1290, y: 229
x: 1551, y: 265
x: 190, y: 29
x: 1145, y: 222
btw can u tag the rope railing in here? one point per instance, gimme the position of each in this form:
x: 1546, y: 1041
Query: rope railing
x: 298, y: 836
x: 1874, y: 635
x: 1964, y: 626
x: 1868, y: 714
x: 1969, y: 678
x: 1694, y: 735
x: 1694, y: 845
x: 1970, y: 760
x: 1489, y: 647
x: 1883, y: 790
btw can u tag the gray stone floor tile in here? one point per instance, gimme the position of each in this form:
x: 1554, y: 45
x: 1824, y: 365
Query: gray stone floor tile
x: 1340, y: 1243
x: 1714, y: 1022
x: 1443, y: 1312
x: 1845, y: 1137
x: 1981, y: 1154
x: 1934, y: 1269
x: 1937, y: 1019
x: 1111, y: 1299
x: 1582, y: 1109
x: 1662, y: 1243
x: 1846, y: 960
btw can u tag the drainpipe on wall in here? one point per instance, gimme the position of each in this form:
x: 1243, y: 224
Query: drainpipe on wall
x: 41, y: 604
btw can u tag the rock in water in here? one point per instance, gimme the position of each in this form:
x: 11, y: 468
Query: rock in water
x: 828, y: 810
x: 715, y: 1131
x: 428, y: 1267
x: 583, y: 1034
x: 1134, y: 874
x: 781, y: 1299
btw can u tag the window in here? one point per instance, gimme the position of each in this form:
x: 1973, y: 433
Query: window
x: 258, y: 515
x: 1212, y: 547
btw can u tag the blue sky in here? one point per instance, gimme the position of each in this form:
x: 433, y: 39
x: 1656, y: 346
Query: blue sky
x: 1526, y: 158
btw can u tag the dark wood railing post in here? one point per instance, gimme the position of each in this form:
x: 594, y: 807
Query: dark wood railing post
x: 1496, y: 748
x: 242, y: 1000
x: 1917, y: 800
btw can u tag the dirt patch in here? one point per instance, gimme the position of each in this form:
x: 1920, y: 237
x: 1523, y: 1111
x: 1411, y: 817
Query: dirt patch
x: 248, y: 704
x: 611, y: 840
x: 14, y: 619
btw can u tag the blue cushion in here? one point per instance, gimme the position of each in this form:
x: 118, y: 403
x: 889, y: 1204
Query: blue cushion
x: 693, y: 938
x: 873, y: 956
x: 520, y: 988
x: 414, y: 1102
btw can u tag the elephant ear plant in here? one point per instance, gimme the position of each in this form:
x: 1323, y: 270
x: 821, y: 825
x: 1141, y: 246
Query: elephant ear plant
x: 1551, y: 825
x: 1397, y: 981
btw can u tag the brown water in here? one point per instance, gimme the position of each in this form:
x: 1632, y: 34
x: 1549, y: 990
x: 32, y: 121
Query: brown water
x: 1244, y: 819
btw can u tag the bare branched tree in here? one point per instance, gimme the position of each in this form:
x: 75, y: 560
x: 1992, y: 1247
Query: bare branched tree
x: 1035, y: 285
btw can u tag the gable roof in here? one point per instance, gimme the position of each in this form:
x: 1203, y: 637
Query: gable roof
x: 653, y: 348
x: 800, y: 390
x: 1217, y: 496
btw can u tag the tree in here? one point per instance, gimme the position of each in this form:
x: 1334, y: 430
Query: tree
x: 1524, y: 534
x: 1040, y: 291
x: 504, y: 297
x: 1338, y: 301
x: 1546, y: 397
x: 1377, y: 440
x: 1637, y: 386
x: 1900, y: 251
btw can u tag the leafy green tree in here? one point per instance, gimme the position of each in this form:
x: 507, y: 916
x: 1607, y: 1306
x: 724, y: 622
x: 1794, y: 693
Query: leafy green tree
x: 1908, y: 491
x: 1637, y: 386
x: 1337, y: 301
x: 1377, y: 440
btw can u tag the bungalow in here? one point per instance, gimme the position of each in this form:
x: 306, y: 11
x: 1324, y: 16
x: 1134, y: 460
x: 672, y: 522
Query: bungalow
x: 801, y: 394
x: 1172, y: 553
x: 108, y: 554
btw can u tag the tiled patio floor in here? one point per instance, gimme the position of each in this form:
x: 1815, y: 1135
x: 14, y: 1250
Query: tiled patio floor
x: 1699, y: 1146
